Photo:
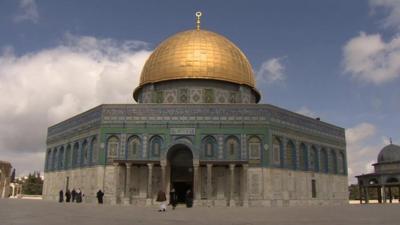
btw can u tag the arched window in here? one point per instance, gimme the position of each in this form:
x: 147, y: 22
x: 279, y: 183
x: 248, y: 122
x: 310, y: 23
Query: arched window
x: 341, y: 163
x: 54, y: 159
x: 75, y: 155
x: 61, y: 158
x: 314, y: 159
x: 48, y: 160
x: 232, y: 148
x: 290, y: 160
x: 276, y: 151
x: 303, y: 157
x: 209, y: 144
x: 156, y: 144
x: 68, y: 157
x: 324, y: 161
x: 94, y: 150
x: 134, y: 147
x: 85, y: 153
x: 332, y: 161
x: 254, y: 148
x: 112, y: 148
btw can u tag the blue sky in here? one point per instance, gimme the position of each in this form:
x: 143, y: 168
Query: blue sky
x: 331, y: 59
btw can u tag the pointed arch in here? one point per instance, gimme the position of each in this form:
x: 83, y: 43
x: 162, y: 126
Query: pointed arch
x: 75, y: 154
x: 156, y: 144
x: 133, y: 147
x: 324, y: 161
x: 112, y: 148
x: 232, y: 148
x: 254, y: 147
x: 332, y: 161
x: 276, y: 150
x: 85, y: 153
x: 314, y: 163
x: 61, y: 158
x: 290, y: 155
x: 94, y: 151
x: 209, y: 146
x: 303, y: 159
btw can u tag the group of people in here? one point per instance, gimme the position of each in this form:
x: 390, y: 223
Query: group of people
x: 71, y: 196
x: 77, y: 195
x: 173, y: 199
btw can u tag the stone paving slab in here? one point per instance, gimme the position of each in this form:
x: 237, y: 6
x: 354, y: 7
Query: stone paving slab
x: 39, y: 212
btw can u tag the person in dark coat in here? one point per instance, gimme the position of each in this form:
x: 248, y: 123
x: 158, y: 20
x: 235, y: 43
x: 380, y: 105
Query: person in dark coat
x: 99, y: 196
x: 61, y: 196
x: 189, y: 198
x: 173, y: 198
x: 162, y: 199
x: 79, y: 195
x: 73, y: 195
x: 67, y: 196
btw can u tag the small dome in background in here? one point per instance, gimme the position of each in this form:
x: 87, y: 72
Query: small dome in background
x: 390, y: 153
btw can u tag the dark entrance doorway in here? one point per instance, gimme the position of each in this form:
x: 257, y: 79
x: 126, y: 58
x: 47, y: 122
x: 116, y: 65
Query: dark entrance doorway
x: 180, y: 159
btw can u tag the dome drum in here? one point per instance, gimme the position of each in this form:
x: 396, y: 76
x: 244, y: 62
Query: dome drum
x: 196, y: 91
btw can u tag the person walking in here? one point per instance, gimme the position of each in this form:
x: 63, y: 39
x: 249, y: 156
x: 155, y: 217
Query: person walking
x: 173, y: 198
x: 162, y: 199
x: 73, y: 195
x: 61, y: 196
x: 67, y: 196
x: 99, y: 196
x: 189, y: 198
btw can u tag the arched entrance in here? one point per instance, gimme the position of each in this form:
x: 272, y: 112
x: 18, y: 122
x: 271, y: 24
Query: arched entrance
x: 180, y: 160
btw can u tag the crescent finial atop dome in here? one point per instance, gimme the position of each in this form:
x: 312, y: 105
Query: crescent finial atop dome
x: 198, y: 15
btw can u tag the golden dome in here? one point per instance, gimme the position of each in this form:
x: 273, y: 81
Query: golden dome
x: 197, y: 54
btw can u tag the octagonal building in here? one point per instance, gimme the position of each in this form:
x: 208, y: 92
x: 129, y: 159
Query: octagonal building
x: 198, y: 126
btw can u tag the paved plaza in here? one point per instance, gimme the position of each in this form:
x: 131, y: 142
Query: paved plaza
x: 38, y: 212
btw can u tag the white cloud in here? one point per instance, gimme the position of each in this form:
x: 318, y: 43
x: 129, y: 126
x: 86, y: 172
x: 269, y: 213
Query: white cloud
x: 306, y: 112
x: 368, y: 58
x: 393, y: 7
x: 360, y: 153
x: 27, y: 11
x: 359, y: 133
x: 271, y: 71
x: 42, y: 88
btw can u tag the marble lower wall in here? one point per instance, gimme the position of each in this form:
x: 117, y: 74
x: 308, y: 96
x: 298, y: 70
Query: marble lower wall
x: 266, y: 186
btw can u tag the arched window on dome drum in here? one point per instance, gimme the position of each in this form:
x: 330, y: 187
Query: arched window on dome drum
x: 314, y: 159
x: 94, y: 151
x: 332, y: 161
x: 134, y: 147
x: 276, y: 151
x: 324, y: 161
x: 254, y: 148
x: 209, y: 145
x: 85, y: 153
x: 290, y: 160
x: 303, y: 164
x: 75, y: 155
x: 156, y: 145
x: 112, y: 148
x: 68, y: 157
x: 61, y: 158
